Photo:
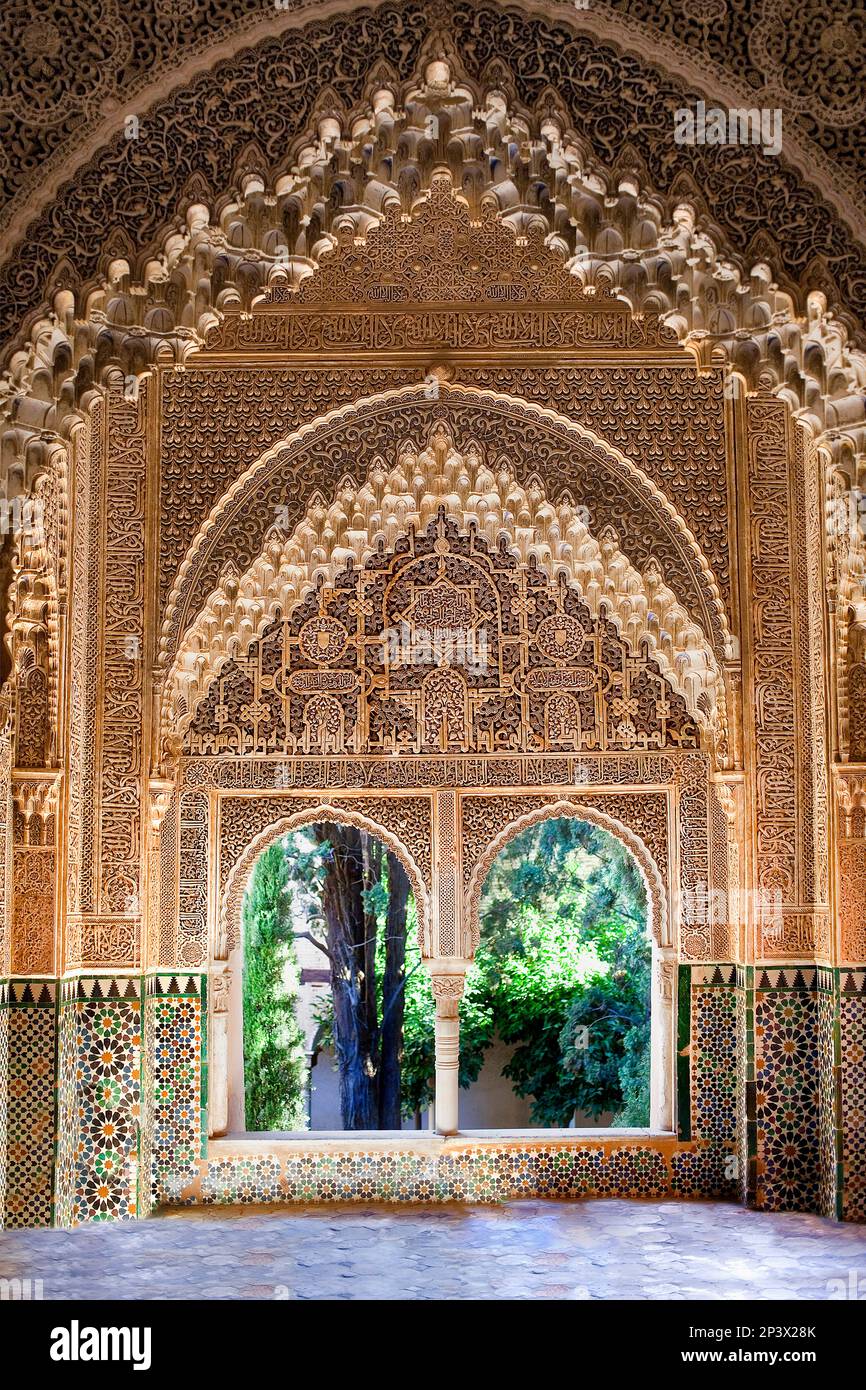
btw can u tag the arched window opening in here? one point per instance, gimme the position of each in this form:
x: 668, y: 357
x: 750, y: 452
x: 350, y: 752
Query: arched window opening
x: 555, y: 1019
x: 336, y: 1010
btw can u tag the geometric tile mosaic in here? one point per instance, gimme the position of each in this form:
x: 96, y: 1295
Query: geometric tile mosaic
x: 852, y: 1029
x: 4, y: 1071
x: 67, y: 1132
x: 99, y: 1100
x: 463, y: 1172
x: 128, y: 1139
x: 829, y: 1184
x: 177, y: 1086
x: 786, y: 1103
x: 144, y: 1200
x: 714, y: 1065
x: 747, y: 1143
x: 30, y: 1123
x: 705, y: 1171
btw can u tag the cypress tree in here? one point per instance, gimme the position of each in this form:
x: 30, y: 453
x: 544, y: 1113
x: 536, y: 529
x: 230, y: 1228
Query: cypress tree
x: 275, y: 1072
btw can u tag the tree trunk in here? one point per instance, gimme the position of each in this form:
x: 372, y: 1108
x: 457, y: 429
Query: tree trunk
x: 355, y: 1028
x: 393, y: 996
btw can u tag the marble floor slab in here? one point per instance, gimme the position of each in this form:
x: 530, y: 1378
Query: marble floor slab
x: 518, y: 1250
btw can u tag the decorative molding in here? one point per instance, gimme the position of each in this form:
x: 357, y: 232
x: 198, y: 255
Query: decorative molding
x: 539, y: 74
x: 788, y: 977
x: 100, y: 987
x: 237, y: 877
x: 242, y: 461
x: 408, y: 495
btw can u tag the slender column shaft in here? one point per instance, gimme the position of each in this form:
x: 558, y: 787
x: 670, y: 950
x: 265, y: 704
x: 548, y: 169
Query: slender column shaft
x: 447, y: 982
x: 447, y: 1062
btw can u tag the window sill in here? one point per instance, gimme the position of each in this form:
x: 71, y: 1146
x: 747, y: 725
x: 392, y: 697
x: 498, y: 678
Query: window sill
x: 413, y: 1141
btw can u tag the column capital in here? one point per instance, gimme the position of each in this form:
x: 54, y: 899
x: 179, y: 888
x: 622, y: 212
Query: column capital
x: 447, y: 980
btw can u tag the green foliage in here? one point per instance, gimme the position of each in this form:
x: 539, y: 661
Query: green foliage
x: 275, y: 1073
x: 634, y: 1078
x: 418, y: 1070
x: 563, y: 950
x: 561, y: 974
x: 419, y: 1054
x: 605, y: 1038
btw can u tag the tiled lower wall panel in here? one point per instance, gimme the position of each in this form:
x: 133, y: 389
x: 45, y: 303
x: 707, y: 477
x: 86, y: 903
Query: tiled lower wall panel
x: 31, y: 1039
x: 4, y: 1073
x: 787, y: 1088
x: 175, y: 1084
x: 829, y: 1134
x: 99, y: 1100
x: 852, y: 1027
x: 713, y: 1056
x: 463, y: 1172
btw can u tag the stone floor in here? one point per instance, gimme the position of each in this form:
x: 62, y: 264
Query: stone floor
x: 530, y: 1249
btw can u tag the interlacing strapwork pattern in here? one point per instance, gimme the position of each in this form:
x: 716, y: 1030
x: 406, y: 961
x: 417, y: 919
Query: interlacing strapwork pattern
x: 84, y: 661
x: 99, y: 1099
x: 829, y: 1080
x: 6, y: 842
x: 534, y: 100
x: 175, y: 1026
x: 853, y: 1094
x: 480, y: 489
x: 222, y: 424
x: 31, y: 1114
x: 714, y: 1066
x: 191, y: 946
x: 435, y: 530
x: 358, y: 666
x: 34, y: 864
x: 851, y: 802
x: 120, y: 828
x: 787, y: 1099
x: 448, y: 918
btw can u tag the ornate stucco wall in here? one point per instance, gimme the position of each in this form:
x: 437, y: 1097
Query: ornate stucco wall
x: 450, y: 337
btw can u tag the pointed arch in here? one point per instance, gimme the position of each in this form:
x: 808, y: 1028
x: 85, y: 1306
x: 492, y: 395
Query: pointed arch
x: 409, y: 490
x: 657, y: 908
x: 232, y: 896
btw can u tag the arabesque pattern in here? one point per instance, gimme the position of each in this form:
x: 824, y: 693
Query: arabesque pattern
x: 420, y: 450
